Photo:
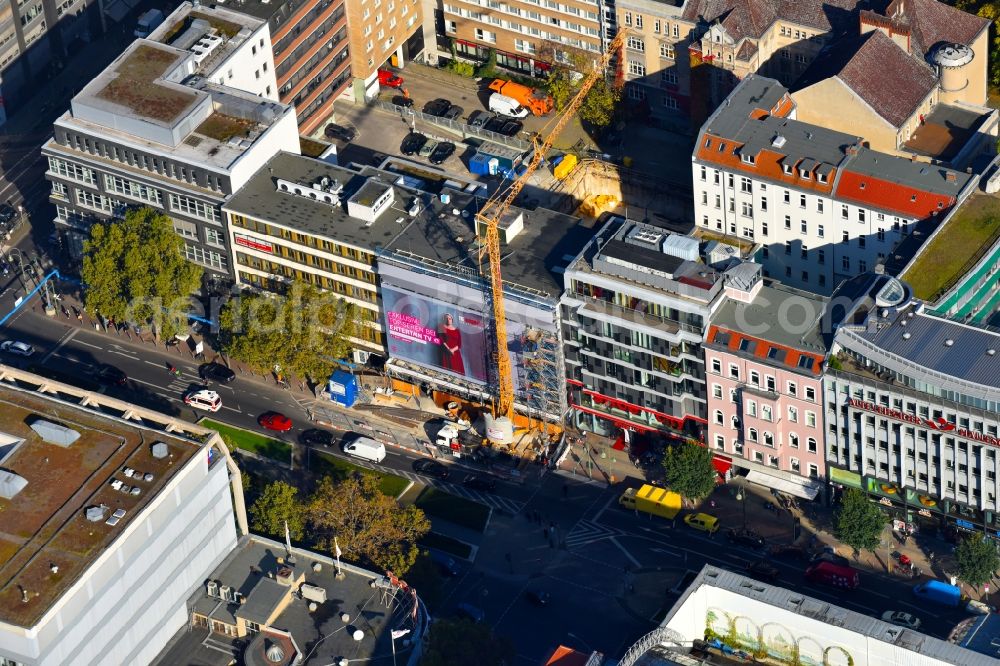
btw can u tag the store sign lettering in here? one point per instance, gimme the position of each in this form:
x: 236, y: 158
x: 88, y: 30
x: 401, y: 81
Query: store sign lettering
x: 938, y: 424
x: 253, y: 244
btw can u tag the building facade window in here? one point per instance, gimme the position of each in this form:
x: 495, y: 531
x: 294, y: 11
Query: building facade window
x: 194, y: 208
x: 132, y: 189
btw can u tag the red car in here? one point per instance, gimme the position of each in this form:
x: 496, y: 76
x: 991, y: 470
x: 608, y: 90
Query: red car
x: 275, y: 421
x: 389, y: 79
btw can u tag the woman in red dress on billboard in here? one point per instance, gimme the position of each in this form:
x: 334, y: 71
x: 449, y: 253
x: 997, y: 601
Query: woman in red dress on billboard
x: 451, y: 346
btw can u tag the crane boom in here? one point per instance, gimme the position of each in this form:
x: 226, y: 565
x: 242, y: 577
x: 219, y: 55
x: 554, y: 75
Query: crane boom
x: 495, y: 208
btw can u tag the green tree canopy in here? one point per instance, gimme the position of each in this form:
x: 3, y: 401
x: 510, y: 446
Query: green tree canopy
x: 688, y: 470
x: 859, y: 522
x: 977, y: 560
x: 462, y: 641
x: 598, y: 108
x: 368, y: 525
x: 134, y: 270
x: 564, y: 81
x: 277, y: 504
x: 304, y: 331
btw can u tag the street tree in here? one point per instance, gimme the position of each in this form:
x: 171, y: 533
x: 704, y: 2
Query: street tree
x: 462, y: 641
x: 598, y: 108
x: 859, y: 522
x: 368, y: 526
x: 134, y: 270
x: 977, y: 560
x: 278, y: 504
x: 303, y: 331
x: 688, y: 470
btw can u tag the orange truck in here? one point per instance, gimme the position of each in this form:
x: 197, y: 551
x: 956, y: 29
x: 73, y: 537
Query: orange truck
x: 537, y: 101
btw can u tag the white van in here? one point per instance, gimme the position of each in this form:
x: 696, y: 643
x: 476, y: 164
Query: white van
x: 506, y: 106
x: 366, y: 448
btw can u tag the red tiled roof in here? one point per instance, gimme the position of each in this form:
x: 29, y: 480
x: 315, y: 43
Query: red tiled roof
x: 760, y: 352
x: 891, y: 81
x: 889, y: 196
x: 767, y: 164
x: 752, y: 18
x: 932, y: 22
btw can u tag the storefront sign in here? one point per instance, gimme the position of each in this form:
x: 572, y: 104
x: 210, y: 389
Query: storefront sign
x: 885, y: 500
x: 964, y: 524
x: 938, y: 424
x: 925, y: 513
x: 253, y: 243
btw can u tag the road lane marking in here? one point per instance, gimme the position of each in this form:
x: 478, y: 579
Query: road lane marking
x: 61, y: 344
x: 624, y: 550
x: 87, y: 344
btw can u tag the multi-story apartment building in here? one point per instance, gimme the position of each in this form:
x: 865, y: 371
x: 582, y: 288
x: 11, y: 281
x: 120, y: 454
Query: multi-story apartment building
x: 312, y: 56
x: 821, y: 206
x: 526, y: 35
x: 688, y: 55
x: 381, y: 32
x: 764, y: 356
x: 155, y: 129
x: 37, y: 34
x: 291, y: 220
x: 635, y: 310
x: 912, y: 407
x: 107, y: 557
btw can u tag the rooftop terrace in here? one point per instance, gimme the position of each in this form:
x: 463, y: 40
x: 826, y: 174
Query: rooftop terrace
x: 46, y: 541
x: 136, y: 83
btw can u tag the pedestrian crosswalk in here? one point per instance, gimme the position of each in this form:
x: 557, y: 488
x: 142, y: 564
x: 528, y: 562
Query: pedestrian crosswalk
x: 496, y: 502
x: 587, y: 532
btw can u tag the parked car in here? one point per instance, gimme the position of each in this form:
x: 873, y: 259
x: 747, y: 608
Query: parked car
x: 431, y: 468
x: 454, y: 111
x: 764, y: 570
x: 901, y: 619
x: 316, y: 437
x: 402, y: 101
x: 275, y: 421
x: 495, y: 124
x: 210, y: 401
x: 790, y: 553
x: 480, y: 483
x: 17, y: 347
x: 512, y: 128
x: 427, y: 148
x: 437, y: 107
x: 442, y: 152
x: 478, y: 118
x: 389, y: 79
x: 412, y: 142
x: 109, y: 375
x: 447, y: 565
x: 7, y: 214
x: 216, y: 372
x: 703, y: 522
x: 335, y: 131
x: 745, y: 537
x: 827, y: 556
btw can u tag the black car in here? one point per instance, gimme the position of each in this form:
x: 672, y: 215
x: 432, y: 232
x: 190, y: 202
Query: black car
x: 512, y: 128
x: 480, y: 483
x: 412, y: 143
x: 763, y: 570
x: 7, y: 214
x: 441, y: 152
x: 335, y: 131
x: 454, y: 111
x: 437, y: 107
x: 109, y: 375
x: 789, y: 553
x: 316, y: 437
x: 833, y: 558
x: 539, y: 598
x: 431, y: 468
x: 494, y: 124
x: 478, y: 118
x: 747, y: 538
x: 216, y: 372
x: 401, y: 101
x: 447, y: 565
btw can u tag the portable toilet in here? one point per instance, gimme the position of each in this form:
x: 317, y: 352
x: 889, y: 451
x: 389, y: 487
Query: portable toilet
x: 493, y: 166
x: 343, y: 388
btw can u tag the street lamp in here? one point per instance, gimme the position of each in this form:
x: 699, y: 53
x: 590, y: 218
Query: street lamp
x: 741, y: 495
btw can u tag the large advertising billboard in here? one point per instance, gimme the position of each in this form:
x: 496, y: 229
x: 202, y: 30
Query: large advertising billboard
x: 442, y: 336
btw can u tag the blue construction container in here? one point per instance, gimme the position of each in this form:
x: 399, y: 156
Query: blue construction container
x: 343, y: 388
x: 480, y: 164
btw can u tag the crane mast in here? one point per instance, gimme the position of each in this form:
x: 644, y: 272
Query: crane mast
x: 495, y: 208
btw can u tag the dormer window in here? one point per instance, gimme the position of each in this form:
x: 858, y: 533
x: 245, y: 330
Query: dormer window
x: 787, y: 169
x: 722, y: 147
x: 913, y: 198
x: 821, y: 177
x: 747, y: 158
x: 862, y: 186
x: 804, y: 174
x: 708, y: 143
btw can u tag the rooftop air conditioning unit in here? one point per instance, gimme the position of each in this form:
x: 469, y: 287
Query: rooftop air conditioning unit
x: 224, y: 592
x: 213, y: 588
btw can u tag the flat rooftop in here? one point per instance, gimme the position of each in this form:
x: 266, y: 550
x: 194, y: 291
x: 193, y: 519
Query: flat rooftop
x: 717, y: 595
x: 774, y: 302
x: 250, y: 566
x: 211, y: 33
x: 45, y: 524
x: 534, y: 258
x: 945, y: 131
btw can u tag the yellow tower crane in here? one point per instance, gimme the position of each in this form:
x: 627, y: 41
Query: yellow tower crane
x: 497, y: 205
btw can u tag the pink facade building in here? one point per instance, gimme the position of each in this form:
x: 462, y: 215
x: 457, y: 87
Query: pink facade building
x: 763, y: 372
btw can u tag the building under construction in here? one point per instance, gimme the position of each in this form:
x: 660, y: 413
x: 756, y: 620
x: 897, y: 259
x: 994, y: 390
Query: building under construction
x: 438, y: 309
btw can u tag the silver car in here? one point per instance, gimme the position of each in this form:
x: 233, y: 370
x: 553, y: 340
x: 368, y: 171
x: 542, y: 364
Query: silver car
x: 901, y: 619
x: 428, y: 148
x: 17, y: 347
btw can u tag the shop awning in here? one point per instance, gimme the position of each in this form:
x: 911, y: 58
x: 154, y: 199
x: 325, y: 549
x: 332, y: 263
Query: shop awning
x: 803, y: 488
x: 721, y: 465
